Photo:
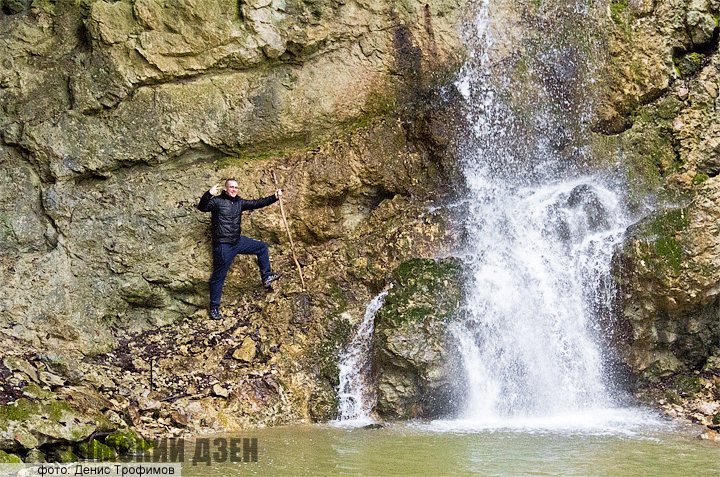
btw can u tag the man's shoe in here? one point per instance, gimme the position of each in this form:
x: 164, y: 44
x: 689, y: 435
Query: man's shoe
x: 215, y: 313
x: 269, y: 279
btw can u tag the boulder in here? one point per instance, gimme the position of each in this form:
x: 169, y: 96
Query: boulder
x: 95, y: 450
x: 6, y: 458
x: 413, y: 354
x: 246, y: 352
x: 27, y: 424
x: 667, y: 270
x: 127, y: 441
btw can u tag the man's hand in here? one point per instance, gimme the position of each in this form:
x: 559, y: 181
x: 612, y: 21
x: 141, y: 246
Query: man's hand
x: 278, y: 193
x: 214, y: 190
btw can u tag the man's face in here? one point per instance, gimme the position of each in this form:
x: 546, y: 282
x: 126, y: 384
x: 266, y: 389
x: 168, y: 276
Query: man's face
x: 231, y: 187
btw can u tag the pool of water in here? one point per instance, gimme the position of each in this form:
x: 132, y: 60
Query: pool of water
x: 613, y: 443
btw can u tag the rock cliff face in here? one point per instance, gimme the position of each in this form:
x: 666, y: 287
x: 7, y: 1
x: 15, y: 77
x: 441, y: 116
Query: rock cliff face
x: 661, y: 117
x: 117, y: 116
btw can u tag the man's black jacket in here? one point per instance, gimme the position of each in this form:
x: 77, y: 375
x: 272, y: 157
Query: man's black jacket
x: 227, y: 214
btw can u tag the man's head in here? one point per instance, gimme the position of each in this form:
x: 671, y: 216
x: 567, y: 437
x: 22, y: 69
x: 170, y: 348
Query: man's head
x: 231, y: 187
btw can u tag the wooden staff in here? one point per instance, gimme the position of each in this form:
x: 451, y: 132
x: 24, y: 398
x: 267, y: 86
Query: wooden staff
x: 287, y: 228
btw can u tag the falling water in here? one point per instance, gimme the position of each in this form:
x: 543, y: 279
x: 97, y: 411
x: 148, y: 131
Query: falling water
x: 540, y: 233
x: 355, y: 395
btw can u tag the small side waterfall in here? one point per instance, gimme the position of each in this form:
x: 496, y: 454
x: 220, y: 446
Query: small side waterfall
x: 355, y: 392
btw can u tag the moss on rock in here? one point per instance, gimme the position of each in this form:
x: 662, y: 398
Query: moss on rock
x: 29, y: 424
x: 95, y: 450
x: 411, y: 350
x: 6, y: 458
x: 422, y: 288
x: 125, y: 441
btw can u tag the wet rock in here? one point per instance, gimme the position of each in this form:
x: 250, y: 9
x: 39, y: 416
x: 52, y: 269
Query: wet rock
x: 64, y: 455
x: 710, y: 435
x: 669, y: 288
x: 412, y: 354
x: 95, y: 450
x: 584, y: 197
x: 127, y: 441
x: 28, y: 424
x: 373, y: 426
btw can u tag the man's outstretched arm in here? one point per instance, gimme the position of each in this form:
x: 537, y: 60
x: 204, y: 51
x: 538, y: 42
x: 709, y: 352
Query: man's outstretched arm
x: 205, y: 204
x: 264, y: 202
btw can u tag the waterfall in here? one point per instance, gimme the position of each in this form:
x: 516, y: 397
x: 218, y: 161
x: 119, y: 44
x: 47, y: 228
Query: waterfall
x: 540, y: 232
x: 355, y: 393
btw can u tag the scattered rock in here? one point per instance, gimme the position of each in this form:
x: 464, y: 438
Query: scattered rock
x: 710, y: 435
x: 132, y: 416
x: 147, y: 404
x: 247, y: 351
x: 19, y: 364
x: 179, y: 419
x: 220, y: 391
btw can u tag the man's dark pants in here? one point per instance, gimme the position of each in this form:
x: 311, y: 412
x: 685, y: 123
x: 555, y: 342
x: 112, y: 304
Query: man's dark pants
x: 223, y: 256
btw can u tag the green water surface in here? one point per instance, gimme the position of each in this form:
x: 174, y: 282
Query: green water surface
x: 633, y: 446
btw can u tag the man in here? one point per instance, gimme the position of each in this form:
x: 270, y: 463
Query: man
x: 228, y: 242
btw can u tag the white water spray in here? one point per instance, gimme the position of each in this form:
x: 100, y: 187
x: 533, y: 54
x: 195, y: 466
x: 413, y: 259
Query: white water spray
x: 355, y: 394
x: 540, y: 237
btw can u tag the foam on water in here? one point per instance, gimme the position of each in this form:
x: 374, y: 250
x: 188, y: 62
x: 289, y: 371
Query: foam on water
x: 627, y: 422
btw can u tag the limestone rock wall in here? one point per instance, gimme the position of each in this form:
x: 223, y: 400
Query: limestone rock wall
x: 660, y: 119
x: 117, y: 116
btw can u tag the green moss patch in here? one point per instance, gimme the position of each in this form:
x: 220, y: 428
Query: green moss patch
x: 423, y: 288
x: 618, y: 11
x: 127, y: 441
x: 6, y: 458
x: 664, y: 247
x: 688, y: 65
x: 95, y: 450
